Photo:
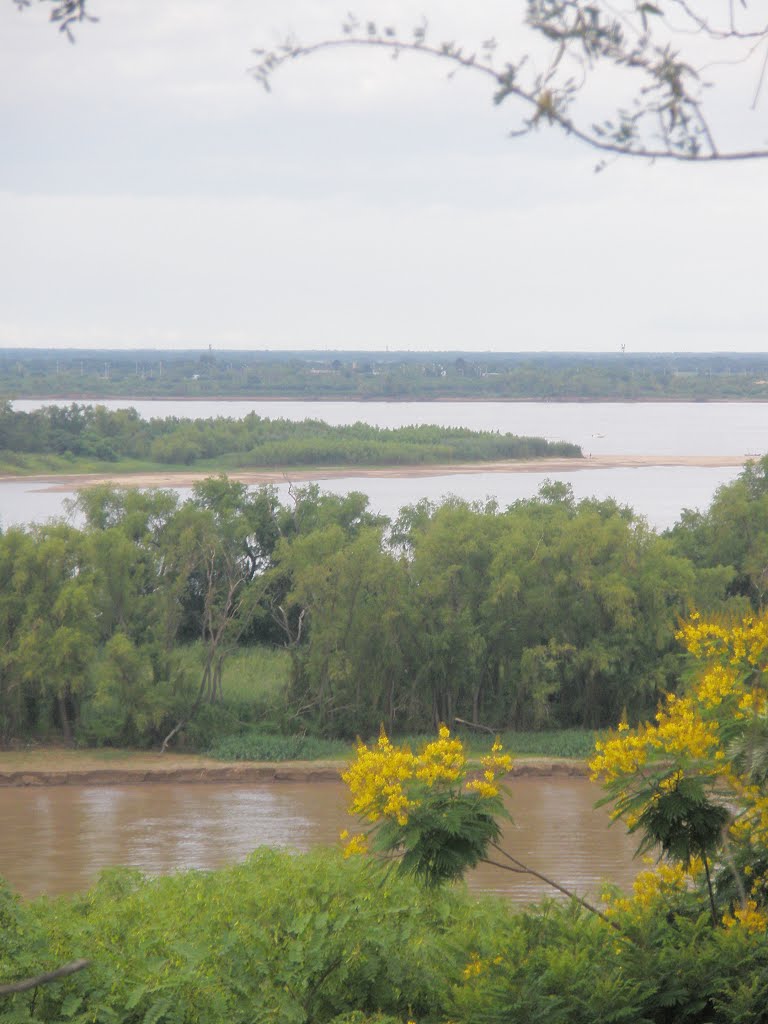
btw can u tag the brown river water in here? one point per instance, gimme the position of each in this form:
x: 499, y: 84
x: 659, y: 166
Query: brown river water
x: 56, y: 839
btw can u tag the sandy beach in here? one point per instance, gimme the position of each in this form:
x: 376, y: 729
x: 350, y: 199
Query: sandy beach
x: 74, y: 481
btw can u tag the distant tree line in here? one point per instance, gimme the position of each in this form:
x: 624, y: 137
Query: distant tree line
x: 88, y: 374
x: 549, y: 613
x: 93, y: 432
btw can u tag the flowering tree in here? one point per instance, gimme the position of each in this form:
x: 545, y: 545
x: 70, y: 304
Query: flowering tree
x: 424, y: 807
x: 694, y: 783
x: 433, y: 812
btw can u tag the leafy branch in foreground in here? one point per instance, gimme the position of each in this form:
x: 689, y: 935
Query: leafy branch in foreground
x: 430, y: 812
x: 651, y: 56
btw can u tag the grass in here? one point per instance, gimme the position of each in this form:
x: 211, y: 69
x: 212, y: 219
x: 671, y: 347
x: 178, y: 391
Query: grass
x: 255, y: 745
x: 258, y: 745
x: 264, y: 746
x: 255, y: 674
x: 578, y: 743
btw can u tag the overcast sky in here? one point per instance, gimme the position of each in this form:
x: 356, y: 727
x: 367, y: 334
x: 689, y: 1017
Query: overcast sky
x: 153, y: 195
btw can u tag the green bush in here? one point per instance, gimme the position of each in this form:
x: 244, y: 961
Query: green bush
x: 280, y: 939
x: 313, y: 939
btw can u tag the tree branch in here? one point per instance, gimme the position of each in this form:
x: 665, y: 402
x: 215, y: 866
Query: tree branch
x: 43, y: 979
x: 671, y: 94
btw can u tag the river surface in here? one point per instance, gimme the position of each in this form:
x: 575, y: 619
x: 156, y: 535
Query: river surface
x: 56, y: 840
x: 658, y: 493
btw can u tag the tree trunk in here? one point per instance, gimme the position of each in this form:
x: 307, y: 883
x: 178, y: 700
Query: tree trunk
x: 66, y: 725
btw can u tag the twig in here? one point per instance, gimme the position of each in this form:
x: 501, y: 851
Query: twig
x: 474, y: 725
x: 556, y: 885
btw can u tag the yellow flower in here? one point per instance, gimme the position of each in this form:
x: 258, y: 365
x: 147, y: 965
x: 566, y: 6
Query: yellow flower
x: 474, y: 967
x: 749, y: 917
x: 483, y: 788
x: 442, y: 760
x: 357, y: 844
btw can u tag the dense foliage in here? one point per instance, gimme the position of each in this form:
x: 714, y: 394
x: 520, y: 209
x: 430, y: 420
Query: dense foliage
x: 141, y: 624
x: 617, y: 376
x: 551, y: 613
x: 312, y: 939
x: 63, y: 435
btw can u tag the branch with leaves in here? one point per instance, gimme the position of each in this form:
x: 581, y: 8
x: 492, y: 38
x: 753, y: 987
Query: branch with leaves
x: 64, y: 13
x: 640, y: 48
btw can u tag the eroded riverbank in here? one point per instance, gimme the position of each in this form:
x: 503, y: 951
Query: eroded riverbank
x: 75, y: 768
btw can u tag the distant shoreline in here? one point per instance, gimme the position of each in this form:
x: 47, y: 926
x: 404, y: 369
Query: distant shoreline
x: 184, y: 478
x: 390, y: 400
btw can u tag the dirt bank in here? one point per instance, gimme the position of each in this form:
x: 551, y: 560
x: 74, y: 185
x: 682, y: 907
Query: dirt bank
x: 73, y: 768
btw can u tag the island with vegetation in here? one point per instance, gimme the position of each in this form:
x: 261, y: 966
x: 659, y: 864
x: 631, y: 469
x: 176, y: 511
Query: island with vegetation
x: 86, y: 438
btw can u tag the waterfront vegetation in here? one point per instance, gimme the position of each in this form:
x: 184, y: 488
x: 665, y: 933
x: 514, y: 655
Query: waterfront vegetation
x: 237, y: 624
x: 294, y: 939
x: 387, y: 936
x: 85, y: 438
x: 232, y: 614
x: 390, y: 376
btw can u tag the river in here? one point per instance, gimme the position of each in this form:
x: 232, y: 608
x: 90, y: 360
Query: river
x: 659, y: 493
x: 56, y: 840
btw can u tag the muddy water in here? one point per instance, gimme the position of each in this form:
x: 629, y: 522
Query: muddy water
x: 57, y: 839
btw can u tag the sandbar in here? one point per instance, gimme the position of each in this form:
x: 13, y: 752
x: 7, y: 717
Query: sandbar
x: 186, y: 478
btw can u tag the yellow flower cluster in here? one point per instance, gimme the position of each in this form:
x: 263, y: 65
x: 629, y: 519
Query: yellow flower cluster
x: 733, y: 643
x: 751, y: 826
x: 496, y: 763
x: 443, y: 760
x: 619, y: 756
x: 376, y: 780
x: 356, y: 844
x: 655, y: 885
x: 716, y: 685
x: 382, y: 777
x: 750, y: 917
x: 679, y: 731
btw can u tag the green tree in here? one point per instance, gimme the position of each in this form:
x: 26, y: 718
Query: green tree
x: 56, y: 639
x: 730, y: 538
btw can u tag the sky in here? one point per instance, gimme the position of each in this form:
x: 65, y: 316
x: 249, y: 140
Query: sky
x: 153, y: 195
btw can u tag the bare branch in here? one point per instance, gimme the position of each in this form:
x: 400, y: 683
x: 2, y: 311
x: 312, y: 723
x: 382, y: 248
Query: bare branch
x: 43, y: 979
x: 665, y: 121
x: 64, y: 13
